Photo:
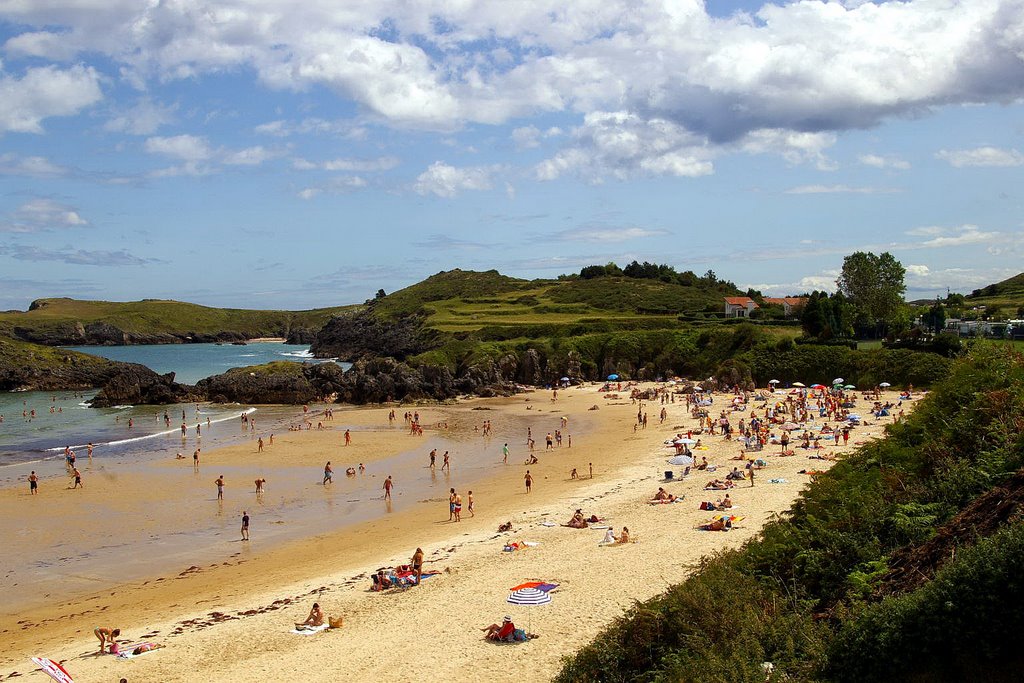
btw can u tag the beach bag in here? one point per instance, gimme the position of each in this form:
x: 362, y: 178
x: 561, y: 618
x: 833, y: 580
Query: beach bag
x: 705, y: 505
x: 519, y: 635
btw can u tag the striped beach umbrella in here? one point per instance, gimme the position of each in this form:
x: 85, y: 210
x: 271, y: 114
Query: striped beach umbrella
x: 529, y: 596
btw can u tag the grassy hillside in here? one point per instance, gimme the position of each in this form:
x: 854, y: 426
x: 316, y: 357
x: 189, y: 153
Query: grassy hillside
x: 154, y: 317
x: 1007, y: 295
x: 466, y: 301
x: 31, y: 366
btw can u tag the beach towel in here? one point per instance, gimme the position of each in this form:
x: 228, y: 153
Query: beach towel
x: 53, y: 669
x: 548, y: 524
x: 309, y: 630
x: 777, y: 481
x: 679, y: 499
x: 128, y: 651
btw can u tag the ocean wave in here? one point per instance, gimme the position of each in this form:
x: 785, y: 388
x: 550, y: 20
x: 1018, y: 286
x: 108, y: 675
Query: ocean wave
x: 298, y: 354
x: 121, y: 407
x: 154, y: 435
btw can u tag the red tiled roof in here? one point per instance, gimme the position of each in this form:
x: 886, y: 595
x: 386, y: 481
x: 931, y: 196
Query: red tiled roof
x: 739, y: 300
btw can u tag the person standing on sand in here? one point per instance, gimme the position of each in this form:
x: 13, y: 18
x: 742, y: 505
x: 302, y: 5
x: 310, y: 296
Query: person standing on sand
x: 591, y: 470
x: 78, y: 478
x: 259, y: 445
x: 528, y: 479
x: 328, y: 473
x: 417, y: 563
x: 348, y: 437
x: 504, y: 453
x: 469, y: 503
x: 220, y: 487
x: 458, y: 508
x: 751, y: 470
x: 388, y: 484
x: 33, y: 483
x: 245, y: 525
x: 433, y: 457
x: 451, y: 504
x: 195, y: 460
x: 259, y: 486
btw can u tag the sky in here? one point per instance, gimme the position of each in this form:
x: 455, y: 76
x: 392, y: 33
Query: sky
x: 274, y: 154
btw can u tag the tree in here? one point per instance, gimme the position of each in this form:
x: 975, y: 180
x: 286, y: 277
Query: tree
x: 875, y: 287
x: 935, y: 318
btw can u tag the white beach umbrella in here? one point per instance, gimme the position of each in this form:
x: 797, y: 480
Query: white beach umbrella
x: 773, y: 381
x: 530, y: 597
x: 838, y: 380
x: 798, y: 384
x: 680, y: 460
x: 885, y: 385
x: 688, y: 442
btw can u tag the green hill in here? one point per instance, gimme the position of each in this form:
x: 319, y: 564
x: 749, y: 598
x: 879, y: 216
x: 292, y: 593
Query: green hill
x: 72, y: 321
x: 467, y: 301
x: 1008, y: 296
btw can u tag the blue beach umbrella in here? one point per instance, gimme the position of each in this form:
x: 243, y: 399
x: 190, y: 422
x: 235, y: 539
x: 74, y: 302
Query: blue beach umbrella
x: 613, y: 377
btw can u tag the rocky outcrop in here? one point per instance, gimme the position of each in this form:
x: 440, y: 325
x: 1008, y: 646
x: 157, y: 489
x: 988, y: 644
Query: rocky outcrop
x: 29, y: 367
x: 301, y: 335
x: 361, y: 334
x: 134, y: 384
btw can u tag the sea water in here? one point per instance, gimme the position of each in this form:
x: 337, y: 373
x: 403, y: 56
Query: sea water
x: 39, y: 425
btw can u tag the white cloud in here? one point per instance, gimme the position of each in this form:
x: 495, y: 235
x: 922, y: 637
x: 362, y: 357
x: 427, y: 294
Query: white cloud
x: 887, y: 161
x: 805, y: 67
x: 250, y: 156
x: 840, y: 189
x: 962, y: 236
x: 623, y: 145
x: 447, y: 181
x: 189, y: 148
x: 917, y: 270
x: 982, y: 156
x: 44, y: 92
x: 593, y: 233
x: 385, y: 163
x: 336, y: 185
x: 145, y: 118
x: 33, y: 166
x: 793, y: 146
x: 41, y: 215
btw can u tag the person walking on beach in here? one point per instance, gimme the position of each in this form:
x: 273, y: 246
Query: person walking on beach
x: 33, y: 483
x: 78, y: 478
x: 245, y: 525
x: 388, y: 484
x: 528, y: 479
x: 504, y: 453
x: 220, y: 487
x: 183, y: 428
x: 446, y: 463
x: 328, y: 473
x: 433, y: 457
x: 469, y: 503
x: 348, y: 437
x: 259, y: 486
x: 195, y: 460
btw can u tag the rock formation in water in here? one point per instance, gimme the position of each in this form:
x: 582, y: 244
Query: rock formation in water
x: 134, y: 384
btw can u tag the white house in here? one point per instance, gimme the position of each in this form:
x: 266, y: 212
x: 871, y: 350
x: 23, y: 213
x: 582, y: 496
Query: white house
x: 739, y: 306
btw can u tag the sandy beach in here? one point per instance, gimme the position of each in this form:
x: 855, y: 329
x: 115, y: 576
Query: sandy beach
x: 228, y: 611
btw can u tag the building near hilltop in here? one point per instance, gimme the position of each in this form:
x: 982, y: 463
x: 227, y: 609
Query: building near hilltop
x: 739, y: 306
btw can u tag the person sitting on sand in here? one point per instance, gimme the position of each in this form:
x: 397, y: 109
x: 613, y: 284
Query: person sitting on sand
x: 703, y: 463
x: 107, y: 636
x: 609, y: 537
x: 724, y: 503
x: 577, y: 521
x: 315, y: 618
x: 381, y: 581
x: 624, y: 536
x: 507, y: 526
x: 500, y: 633
x: 662, y: 494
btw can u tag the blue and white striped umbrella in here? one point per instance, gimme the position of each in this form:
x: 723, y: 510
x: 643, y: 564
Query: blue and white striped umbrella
x: 529, y: 596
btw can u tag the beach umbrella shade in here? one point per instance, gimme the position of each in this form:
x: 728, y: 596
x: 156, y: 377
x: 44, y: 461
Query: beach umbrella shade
x: 565, y: 379
x: 838, y: 380
x: 613, y: 377
x: 853, y: 418
x: 530, y: 597
x: 773, y: 381
x: 885, y: 385
x: 680, y: 460
x: 799, y: 384
x: 539, y: 585
x: 850, y: 386
x: 817, y: 386
x: 55, y: 670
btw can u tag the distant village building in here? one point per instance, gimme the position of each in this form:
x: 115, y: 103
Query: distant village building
x: 739, y: 306
x: 790, y: 304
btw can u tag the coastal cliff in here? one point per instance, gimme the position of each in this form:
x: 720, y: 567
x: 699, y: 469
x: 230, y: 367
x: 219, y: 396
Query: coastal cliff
x: 134, y: 384
x: 31, y: 367
x: 362, y: 333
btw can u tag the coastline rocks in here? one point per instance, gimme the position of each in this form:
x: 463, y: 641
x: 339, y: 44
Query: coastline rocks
x: 279, y: 382
x: 134, y: 384
x: 105, y: 334
x: 362, y: 333
x: 36, y: 368
x: 300, y: 335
